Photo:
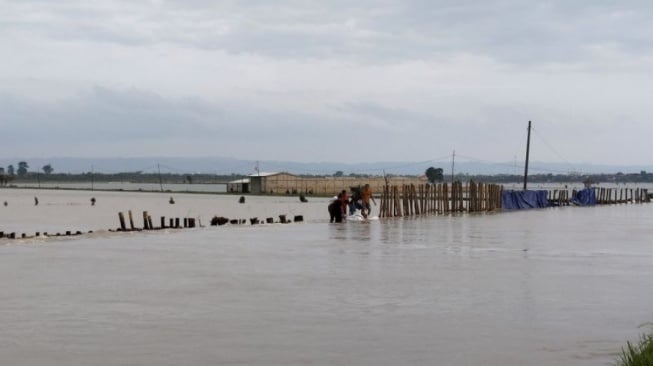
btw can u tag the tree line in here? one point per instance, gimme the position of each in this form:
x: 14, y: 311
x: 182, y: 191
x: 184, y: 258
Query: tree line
x: 46, y: 173
x: 21, y: 171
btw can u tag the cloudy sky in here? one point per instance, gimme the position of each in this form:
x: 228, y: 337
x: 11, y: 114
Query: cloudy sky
x: 356, y: 81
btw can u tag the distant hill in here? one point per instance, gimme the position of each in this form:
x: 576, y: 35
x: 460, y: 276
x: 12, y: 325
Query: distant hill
x: 224, y: 165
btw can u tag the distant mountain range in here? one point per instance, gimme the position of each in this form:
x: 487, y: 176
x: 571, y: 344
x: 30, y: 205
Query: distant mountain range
x: 223, y: 166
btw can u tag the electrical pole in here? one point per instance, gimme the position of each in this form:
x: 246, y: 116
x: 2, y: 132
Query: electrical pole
x: 158, y: 167
x: 453, y: 163
x: 528, y: 148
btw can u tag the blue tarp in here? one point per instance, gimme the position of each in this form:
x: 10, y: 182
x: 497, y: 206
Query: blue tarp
x: 520, y: 200
x: 585, y: 197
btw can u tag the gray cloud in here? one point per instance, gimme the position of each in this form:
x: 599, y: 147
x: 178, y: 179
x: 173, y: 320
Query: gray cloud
x: 511, y: 31
x: 403, y: 79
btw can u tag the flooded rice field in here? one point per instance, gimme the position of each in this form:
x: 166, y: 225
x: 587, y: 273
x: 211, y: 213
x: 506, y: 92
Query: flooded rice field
x: 558, y: 286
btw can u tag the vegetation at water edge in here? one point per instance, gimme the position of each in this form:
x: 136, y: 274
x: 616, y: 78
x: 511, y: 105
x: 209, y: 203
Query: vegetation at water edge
x: 639, y: 354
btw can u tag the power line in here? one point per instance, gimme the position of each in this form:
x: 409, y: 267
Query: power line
x: 541, y: 138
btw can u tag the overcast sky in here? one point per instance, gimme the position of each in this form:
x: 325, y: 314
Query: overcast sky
x: 351, y: 81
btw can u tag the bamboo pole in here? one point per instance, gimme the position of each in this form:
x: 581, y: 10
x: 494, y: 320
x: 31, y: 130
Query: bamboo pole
x: 121, y: 217
x: 131, y: 220
x: 145, y: 222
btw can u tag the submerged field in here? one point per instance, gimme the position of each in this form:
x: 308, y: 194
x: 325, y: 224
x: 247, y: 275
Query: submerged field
x: 560, y: 286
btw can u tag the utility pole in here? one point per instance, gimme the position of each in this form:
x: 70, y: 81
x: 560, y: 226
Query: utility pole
x: 260, y: 182
x: 92, y: 178
x: 528, y: 148
x: 453, y: 163
x: 158, y: 167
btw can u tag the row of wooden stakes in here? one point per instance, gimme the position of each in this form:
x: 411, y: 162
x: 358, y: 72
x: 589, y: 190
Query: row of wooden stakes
x: 190, y: 222
x: 174, y: 223
x: 38, y: 234
x: 220, y: 220
x: 604, y: 196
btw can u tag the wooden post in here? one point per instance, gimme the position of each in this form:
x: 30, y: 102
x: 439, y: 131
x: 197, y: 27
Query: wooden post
x: 462, y: 197
x: 382, y: 204
x: 398, y: 202
x: 131, y: 220
x: 452, y: 197
x: 459, y: 196
x: 406, y: 198
x: 388, y: 200
x: 413, y: 191
x: 491, y: 197
x: 475, y: 196
x: 145, y: 223
x: 471, y: 202
x: 422, y: 198
x: 121, y: 217
x: 438, y: 198
x: 489, y: 204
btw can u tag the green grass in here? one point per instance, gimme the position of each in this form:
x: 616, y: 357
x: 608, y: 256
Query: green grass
x: 640, y: 354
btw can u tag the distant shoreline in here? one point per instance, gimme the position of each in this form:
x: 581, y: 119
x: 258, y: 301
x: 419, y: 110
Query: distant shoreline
x: 141, y: 190
x: 218, y: 179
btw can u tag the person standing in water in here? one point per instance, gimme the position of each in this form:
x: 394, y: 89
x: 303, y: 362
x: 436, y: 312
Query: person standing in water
x: 366, y: 196
x: 344, y: 201
x: 355, y: 200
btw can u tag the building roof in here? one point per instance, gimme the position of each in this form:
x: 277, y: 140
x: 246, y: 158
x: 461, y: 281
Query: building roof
x: 269, y: 174
x: 239, y: 181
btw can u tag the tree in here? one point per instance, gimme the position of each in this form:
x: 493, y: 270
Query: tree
x: 22, y: 168
x: 10, y: 170
x: 339, y: 173
x: 47, y: 169
x: 434, y: 174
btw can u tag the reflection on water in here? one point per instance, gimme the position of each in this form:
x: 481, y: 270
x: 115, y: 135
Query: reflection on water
x: 562, y: 286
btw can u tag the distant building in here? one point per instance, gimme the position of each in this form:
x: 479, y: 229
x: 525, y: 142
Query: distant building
x: 283, y: 183
x: 273, y: 183
x: 238, y: 186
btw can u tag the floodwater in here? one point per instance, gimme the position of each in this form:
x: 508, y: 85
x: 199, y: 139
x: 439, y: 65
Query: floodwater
x: 129, y: 186
x: 559, y: 286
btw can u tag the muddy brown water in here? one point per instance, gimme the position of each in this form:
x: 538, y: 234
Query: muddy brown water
x: 559, y: 286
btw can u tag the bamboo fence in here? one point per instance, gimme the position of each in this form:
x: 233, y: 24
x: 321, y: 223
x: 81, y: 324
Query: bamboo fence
x: 419, y: 199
